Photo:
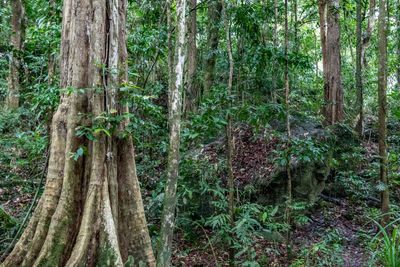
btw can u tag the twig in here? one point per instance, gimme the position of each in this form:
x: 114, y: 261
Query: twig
x: 211, y: 246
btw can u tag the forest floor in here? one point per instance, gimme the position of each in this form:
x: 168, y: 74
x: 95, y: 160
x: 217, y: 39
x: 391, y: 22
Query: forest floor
x: 335, y: 234
x: 331, y: 238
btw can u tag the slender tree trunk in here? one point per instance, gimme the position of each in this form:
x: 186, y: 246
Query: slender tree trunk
x: 333, y: 90
x: 191, y: 95
x: 174, y: 121
x: 214, y: 17
x: 368, y: 33
x: 52, y: 64
x: 275, y: 44
x: 359, y: 85
x: 17, y: 39
x: 362, y: 44
x: 91, y: 211
x: 170, y: 48
x: 229, y: 138
x: 288, y: 132
x: 382, y: 85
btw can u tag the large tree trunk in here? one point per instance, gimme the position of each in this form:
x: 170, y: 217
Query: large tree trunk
x: 333, y: 90
x: 322, y: 31
x: 382, y: 100
x: 191, y: 93
x: 17, y: 39
x: 91, y: 211
x: 174, y: 121
x: 214, y: 17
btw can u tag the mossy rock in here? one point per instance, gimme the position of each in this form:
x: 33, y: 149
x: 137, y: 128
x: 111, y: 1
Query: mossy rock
x: 308, y: 181
x: 308, y: 178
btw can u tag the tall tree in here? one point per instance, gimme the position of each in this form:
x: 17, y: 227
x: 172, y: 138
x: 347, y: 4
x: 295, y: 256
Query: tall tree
x: 91, y: 210
x: 322, y: 33
x: 174, y: 121
x: 359, y: 85
x: 17, y: 40
x: 382, y: 101
x: 229, y: 138
x: 288, y: 131
x: 333, y: 108
x: 362, y: 44
x: 191, y: 93
x: 214, y: 18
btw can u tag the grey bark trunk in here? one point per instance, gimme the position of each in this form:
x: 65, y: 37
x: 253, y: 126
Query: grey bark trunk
x: 174, y: 121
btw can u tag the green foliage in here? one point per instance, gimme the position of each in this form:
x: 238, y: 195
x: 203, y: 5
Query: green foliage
x: 384, y: 246
x: 328, y: 252
x: 211, y: 119
x: 21, y: 144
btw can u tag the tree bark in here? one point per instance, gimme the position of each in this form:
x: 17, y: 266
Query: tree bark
x: 322, y: 30
x: 359, y: 85
x: 17, y: 40
x: 191, y: 93
x: 174, y: 121
x: 214, y: 17
x: 229, y: 138
x: 333, y: 109
x: 382, y: 99
x: 91, y: 211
